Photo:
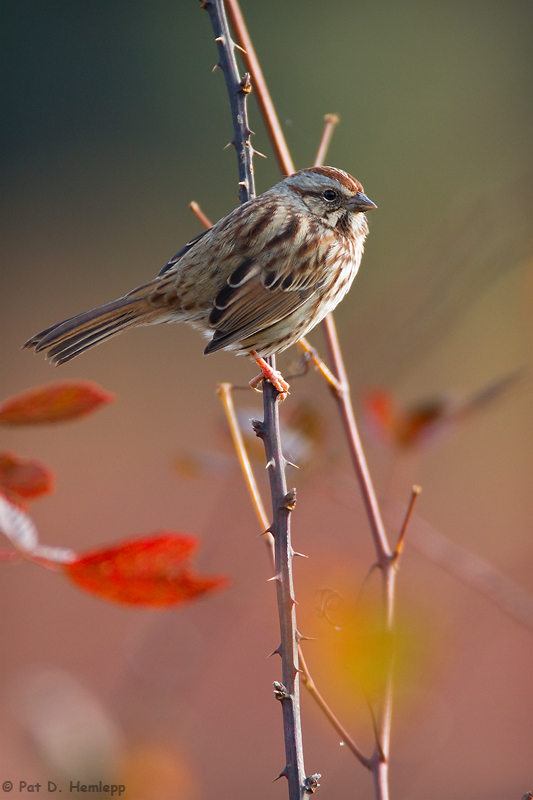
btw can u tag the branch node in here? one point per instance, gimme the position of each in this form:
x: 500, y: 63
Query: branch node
x: 311, y: 783
x: 289, y: 501
x: 280, y: 691
x: 245, y: 85
x: 258, y: 427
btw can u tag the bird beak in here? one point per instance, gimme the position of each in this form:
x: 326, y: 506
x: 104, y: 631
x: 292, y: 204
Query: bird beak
x: 361, y: 203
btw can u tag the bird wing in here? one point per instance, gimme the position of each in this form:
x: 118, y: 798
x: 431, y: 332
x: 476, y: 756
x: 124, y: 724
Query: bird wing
x: 256, y: 297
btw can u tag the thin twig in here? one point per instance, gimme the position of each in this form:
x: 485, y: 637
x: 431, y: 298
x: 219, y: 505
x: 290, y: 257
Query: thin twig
x: 467, y: 567
x: 403, y: 530
x: 385, y: 557
x: 321, y: 366
x: 224, y: 392
x: 331, y: 121
x: 261, y: 92
x: 344, y: 402
x: 197, y: 211
x: 343, y: 733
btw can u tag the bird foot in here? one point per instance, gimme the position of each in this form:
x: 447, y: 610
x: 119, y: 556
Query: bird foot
x: 268, y: 373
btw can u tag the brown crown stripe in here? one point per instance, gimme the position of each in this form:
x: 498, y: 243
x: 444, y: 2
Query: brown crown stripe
x: 338, y: 175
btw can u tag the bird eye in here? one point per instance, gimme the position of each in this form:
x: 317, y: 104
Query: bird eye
x: 329, y: 195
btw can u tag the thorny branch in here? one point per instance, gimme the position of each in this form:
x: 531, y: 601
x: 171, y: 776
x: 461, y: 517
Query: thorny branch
x: 268, y: 430
x: 238, y: 91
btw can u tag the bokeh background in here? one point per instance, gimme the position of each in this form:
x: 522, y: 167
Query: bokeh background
x: 112, y: 121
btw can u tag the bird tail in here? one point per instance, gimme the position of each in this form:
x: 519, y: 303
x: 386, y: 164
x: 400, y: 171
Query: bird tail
x: 68, y: 339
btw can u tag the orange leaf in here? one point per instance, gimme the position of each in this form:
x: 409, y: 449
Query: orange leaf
x: 152, y: 571
x: 54, y: 402
x: 23, y: 479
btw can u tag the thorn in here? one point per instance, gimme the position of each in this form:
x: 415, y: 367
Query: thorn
x: 271, y: 463
x: 217, y: 66
x: 289, y: 501
x: 301, y: 638
x: 240, y: 48
x: 283, y: 774
x: 302, y: 555
x: 290, y: 464
x: 311, y: 783
x: 220, y: 39
x: 264, y: 533
x: 275, y: 578
x: 257, y: 153
x: 280, y: 692
x: 276, y: 652
x: 229, y: 144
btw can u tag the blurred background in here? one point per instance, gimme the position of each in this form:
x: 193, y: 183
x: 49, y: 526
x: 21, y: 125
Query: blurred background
x: 112, y: 123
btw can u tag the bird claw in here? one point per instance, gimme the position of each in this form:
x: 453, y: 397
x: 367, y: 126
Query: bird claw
x: 275, y: 377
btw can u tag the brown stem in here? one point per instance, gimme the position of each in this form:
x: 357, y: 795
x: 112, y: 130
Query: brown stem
x: 403, y: 530
x: 310, y: 685
x: 224, y: 392
x: 344, y: 403
x: 331, y: 121
x: 197, y: 211
x: 264, y: 101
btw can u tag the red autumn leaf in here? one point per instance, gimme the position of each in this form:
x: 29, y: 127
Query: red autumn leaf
x: 23, y: 479
x: 380, y: 412
x: 54, y: 402
x: 152, y: 571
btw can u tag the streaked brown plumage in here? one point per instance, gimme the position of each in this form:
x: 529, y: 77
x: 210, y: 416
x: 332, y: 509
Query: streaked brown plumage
x: 257, y: 281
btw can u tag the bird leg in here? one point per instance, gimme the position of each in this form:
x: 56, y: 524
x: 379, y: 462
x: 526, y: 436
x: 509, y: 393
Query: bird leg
x: 268, y: 373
